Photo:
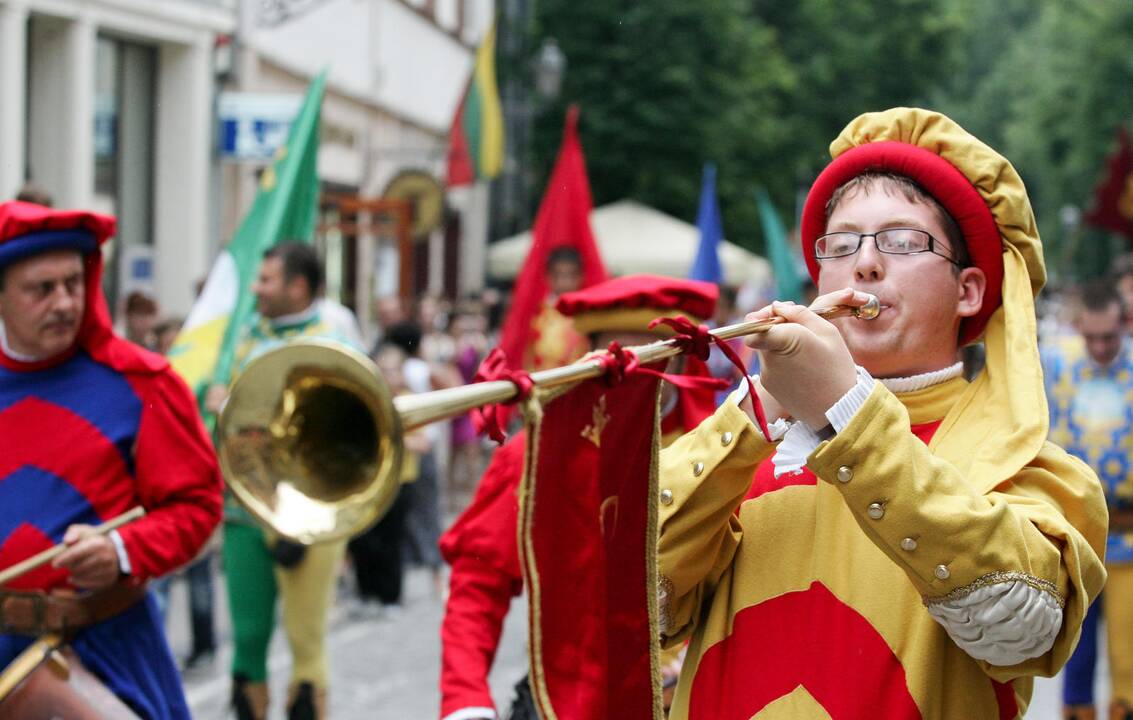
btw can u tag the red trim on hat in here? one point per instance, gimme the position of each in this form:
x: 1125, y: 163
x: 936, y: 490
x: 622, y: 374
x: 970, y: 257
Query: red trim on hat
x: 940, y: 179
x: 642, y: 291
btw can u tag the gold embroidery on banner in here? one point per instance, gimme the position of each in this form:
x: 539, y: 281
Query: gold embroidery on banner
x: 608, y: 517
x: 593, y: 432
x: 997, y: 578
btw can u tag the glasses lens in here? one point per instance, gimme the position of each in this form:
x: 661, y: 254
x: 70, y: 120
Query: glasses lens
x: 903, y: 240
x: 837, y: 244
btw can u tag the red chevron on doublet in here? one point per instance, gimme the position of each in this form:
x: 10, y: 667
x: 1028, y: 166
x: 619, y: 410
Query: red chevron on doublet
x: 837, y: 656
x: 25, y: 541
x: 31, y: 428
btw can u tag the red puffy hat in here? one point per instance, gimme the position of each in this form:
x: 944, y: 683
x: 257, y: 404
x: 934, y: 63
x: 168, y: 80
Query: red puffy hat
x: 28, y: 229
x: 940, y: 179
x: 628, y: 304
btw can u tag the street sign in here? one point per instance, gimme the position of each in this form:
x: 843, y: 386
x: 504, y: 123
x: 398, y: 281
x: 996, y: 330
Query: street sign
x: 254, y: 125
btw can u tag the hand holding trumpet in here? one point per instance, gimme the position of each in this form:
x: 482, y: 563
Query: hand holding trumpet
x: 805, y: 366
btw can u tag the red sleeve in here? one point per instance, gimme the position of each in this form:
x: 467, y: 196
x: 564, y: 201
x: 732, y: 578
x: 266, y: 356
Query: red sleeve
x: 178, y: 481
x: 479, y: 599
x: 482, y: 549
x: 486, y: 530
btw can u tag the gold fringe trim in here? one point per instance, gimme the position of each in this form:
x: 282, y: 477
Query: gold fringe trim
x: 652, y: 577
x: 533, y: 419
x: 998, y: 578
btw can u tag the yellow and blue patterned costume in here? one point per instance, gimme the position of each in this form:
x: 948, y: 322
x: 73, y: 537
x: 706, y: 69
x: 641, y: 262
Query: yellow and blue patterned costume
x: 1091, y: 415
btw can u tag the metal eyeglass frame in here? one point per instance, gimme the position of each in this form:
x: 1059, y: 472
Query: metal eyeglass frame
x: 862, y: 236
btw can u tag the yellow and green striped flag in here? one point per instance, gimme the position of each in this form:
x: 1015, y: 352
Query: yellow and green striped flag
x: 284, y: 209
x: 476, y: 140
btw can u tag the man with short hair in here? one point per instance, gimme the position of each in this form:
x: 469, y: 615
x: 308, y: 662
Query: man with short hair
x: 258, y: 565
x: 1090, y: 390
x: 91, y: 426
x: 911, y: 546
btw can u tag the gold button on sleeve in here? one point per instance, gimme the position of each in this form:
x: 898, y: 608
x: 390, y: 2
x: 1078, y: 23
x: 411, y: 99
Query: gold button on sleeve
x: 942, y: 572
x: 908, y: 544
x: 876, y: 510
x: 845, y: 474
x: 697, y: 468
x: 726, y: 439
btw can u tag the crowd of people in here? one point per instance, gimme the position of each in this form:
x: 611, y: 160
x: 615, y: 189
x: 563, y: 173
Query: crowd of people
x: 873, y: 508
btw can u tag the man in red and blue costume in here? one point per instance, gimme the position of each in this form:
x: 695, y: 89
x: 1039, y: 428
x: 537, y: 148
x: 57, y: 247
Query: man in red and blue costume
x: 91, y: 426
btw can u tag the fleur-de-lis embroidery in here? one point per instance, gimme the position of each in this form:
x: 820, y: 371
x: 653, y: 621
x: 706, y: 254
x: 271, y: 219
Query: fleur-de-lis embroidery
x: 593, y: 431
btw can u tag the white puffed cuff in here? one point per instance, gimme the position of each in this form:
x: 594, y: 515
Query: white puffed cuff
x: 843, y: 411
x: 798, y: 443
x: 120, y: 547
x: 472, y: 713
x: 777, y: 429
x: 1002, y: 624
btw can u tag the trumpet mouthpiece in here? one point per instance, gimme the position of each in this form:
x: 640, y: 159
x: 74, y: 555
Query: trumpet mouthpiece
x: 870, y: 310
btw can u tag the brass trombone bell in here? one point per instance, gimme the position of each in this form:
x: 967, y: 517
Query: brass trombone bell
x: 311, y: 441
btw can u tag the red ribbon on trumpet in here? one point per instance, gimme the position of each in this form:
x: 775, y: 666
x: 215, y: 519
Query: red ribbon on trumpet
x: 493, y: 418
x: 698, y: 340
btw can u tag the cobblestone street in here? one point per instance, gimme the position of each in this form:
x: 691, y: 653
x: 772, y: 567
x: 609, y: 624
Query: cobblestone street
x: 382, y: 668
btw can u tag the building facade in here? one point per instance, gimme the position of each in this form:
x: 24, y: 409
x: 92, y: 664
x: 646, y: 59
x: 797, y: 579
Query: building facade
x: 108, y: 104
x: 396, y: 70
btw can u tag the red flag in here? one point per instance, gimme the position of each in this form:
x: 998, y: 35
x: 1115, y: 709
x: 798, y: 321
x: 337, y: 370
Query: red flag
x: 563, y: 219
x: 460, y: 170
x: 588, y: 533
x: 1113, y: 198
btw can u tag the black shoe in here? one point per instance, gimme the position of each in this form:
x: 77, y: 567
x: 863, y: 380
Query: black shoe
x: 241, y: 705
x: 303, y: 704
x: 198, y: 662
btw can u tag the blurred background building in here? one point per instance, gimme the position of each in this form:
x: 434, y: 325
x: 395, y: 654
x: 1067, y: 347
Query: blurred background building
x: 108, y: 105
x: 164, y: 112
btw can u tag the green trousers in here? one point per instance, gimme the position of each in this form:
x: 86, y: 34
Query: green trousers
x: 307, y: 593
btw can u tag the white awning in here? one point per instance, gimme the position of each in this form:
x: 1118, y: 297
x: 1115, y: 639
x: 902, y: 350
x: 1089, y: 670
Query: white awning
x: 634, y: 238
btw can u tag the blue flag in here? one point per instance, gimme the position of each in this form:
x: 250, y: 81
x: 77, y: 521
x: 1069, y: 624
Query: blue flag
x: 706, y: 266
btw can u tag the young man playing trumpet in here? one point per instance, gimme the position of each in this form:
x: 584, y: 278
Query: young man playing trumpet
x: 911, y: 547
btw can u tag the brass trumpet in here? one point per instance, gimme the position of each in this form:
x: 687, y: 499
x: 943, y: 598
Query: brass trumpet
x: 311, y: 441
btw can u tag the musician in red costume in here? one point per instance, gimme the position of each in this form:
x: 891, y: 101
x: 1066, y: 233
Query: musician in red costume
x: 482, y: 547
x: 91, y: 426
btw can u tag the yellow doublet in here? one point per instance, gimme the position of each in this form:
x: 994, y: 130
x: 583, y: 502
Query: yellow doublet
x: 840, y: 588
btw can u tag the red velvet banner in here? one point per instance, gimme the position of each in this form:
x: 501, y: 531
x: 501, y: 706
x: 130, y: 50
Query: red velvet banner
x: 588, y: 535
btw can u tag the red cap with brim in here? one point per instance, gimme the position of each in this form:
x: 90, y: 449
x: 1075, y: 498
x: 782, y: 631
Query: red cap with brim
x: 941, y: 180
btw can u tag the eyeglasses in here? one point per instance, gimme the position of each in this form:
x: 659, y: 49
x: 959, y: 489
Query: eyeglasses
x: 892, y: 241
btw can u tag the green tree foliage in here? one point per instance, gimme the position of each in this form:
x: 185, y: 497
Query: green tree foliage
x: 761, y: 87
x: 665, y: 86
x: 758, y: 87
x: 1050, y: 94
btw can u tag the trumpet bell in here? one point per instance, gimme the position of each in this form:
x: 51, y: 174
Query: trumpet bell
x: 309, y: 441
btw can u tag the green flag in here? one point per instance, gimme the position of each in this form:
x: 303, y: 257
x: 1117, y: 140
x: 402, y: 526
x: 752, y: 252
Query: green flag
x: 783, y: 267
x: 284, y: 209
